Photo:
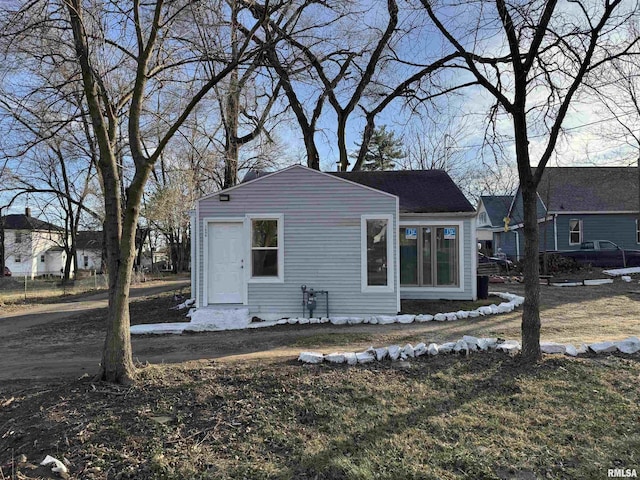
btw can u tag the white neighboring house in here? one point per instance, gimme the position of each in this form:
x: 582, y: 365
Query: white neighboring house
x: 32, y: 246
x: 89, y: 250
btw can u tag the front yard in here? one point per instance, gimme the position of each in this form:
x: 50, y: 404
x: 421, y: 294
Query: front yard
x: 254, y: 412
x: 441, y: 418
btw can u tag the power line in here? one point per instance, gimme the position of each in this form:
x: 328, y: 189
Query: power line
x: 540, y: 135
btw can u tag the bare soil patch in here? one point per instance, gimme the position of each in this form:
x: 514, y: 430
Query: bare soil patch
x: 237, y: 405
x: 69, y: 344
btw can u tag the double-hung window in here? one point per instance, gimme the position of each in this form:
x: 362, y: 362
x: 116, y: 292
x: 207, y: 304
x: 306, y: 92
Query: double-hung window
x: 377, y: 253
x: 575, y: 232
x: 267, y: 260
x: 429, y: 256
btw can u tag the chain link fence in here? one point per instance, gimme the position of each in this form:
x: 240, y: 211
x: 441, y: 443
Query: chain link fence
x: 16, y: 289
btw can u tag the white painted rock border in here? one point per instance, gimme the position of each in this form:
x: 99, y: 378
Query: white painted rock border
x: 466, y: 345
x: 203, y: 320
x: 512, y: 302
x: 616, y: 272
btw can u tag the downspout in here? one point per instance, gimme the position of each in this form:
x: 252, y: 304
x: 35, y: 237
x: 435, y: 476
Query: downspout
x: 199, y: 296
x: 474, y: 260
x: 192, y: 224
x: 517, y: 245
x: 555, y: 232
x: 397, y: 254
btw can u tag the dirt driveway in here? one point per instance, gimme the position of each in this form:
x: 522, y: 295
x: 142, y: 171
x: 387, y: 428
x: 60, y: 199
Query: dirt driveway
x: 65, y: 340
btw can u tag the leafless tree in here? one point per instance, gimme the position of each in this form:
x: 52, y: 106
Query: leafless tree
x: 322, y: 52
x: 533, y: 57
x: 123, y: 55
x: 246, y: 101
x: 59, y: 165
x: 619, y: 91
x: 167, y: 211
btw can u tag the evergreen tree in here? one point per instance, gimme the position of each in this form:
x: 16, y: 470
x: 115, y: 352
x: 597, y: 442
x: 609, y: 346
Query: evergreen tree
x: 383, y: 149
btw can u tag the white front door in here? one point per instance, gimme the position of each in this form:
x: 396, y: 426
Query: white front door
x: 225, y: 265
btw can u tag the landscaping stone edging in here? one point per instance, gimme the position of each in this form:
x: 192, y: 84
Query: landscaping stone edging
x: 513, y: 301
x: 466, y: 345
x: 206, y: 324
x: 584, y: 283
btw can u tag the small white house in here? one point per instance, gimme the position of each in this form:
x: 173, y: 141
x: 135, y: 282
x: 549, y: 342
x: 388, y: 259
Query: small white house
x: 367, y: 239
x: 89, y: 250
x: 32, y: 247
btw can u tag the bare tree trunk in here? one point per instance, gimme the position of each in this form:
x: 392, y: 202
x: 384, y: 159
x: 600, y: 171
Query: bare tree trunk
x: 71, y: 253
x: 342, y: 141
x: 531, y: 310
x: 117, y: 364
x: 308, y: 129
x: 141, y: 237
x: 1, y: 242
x: 233, y: 101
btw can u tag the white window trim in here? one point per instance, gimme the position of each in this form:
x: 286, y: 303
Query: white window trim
x: 279, y: 217
x: 461, y: 277
x: 580, y: 232
x: 389, y: 287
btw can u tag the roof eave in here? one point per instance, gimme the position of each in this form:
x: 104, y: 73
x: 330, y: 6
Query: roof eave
x: 591, y: 212
x: 438, y: 214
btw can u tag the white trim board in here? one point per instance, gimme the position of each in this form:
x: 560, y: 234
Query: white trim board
x: 436, y: 223
x: 389, y: 287
x: 205, y: 263
x: 248, y: 255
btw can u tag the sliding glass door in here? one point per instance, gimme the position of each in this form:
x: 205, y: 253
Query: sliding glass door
x: 429, y: 256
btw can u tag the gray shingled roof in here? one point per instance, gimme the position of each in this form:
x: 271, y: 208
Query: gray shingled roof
x: 517, y: 209
x: 24, y: 222
x: 589, y: 189
x: 497, y: 207
x: 89, y: 240
x: 419, y: 191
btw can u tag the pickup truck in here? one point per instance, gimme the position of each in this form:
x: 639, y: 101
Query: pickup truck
x: 603, y: 253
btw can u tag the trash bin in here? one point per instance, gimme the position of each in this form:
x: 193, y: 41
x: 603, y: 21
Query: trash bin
x: 483, y: 286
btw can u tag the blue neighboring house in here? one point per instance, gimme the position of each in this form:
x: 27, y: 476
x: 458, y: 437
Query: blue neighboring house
x: 574, y: 204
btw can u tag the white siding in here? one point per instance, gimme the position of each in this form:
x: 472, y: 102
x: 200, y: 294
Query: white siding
x: 33, y: 244
x: 322, y: 240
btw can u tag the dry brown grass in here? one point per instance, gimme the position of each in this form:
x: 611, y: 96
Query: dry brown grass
x: 568, y: 315
x: 482, y: 417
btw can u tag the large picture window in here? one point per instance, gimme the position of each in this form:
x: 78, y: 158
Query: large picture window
x: 575, y: 232
x: 377, y: 254
x: 429, y: 255
x: 264, y: 247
